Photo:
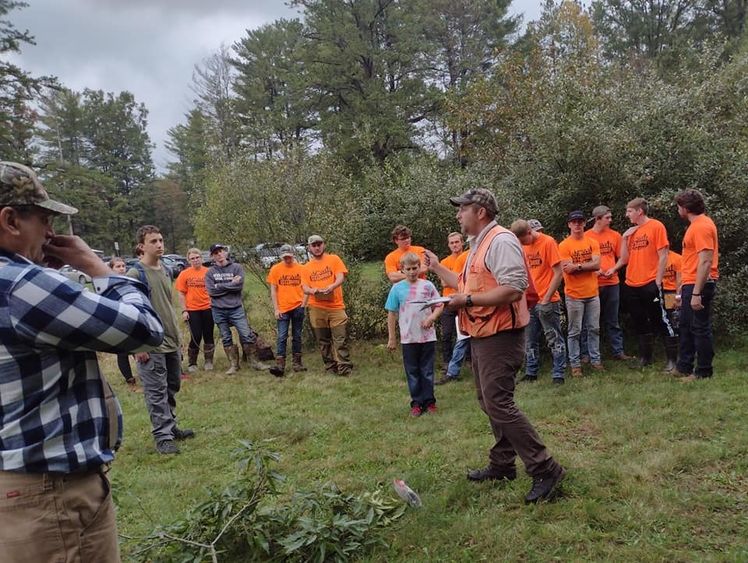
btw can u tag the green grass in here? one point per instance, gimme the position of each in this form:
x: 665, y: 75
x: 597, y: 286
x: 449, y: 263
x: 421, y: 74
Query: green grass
x: 657, y: 470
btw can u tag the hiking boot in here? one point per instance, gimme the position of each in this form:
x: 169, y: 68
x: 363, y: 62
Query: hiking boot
x: 297, y: 365
x: 585, y: 359
x: 167, y: 447
x: 529, y: 379
x: 558, y: 381
x: 415, y: 411
x: 545, y: 488
x: 597, y: 367
x: 622, y: 357
x: 491, y: 474
x: 576, y: 372
x: 280, y: 366
x: 431, y: 409
x: 445, y: 379
x: 180, y: 434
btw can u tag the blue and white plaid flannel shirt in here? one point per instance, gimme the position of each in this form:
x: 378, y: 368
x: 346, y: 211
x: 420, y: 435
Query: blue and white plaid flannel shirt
x: 53, y: 415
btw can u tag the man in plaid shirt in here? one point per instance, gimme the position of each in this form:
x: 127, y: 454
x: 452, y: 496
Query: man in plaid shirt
x: 59, y: 420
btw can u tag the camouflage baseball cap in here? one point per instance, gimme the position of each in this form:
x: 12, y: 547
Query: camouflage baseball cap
x: 20, y: 186
x: 479, y: 196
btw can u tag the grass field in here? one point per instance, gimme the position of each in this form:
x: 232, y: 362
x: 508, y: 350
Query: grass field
x: 657, y: 470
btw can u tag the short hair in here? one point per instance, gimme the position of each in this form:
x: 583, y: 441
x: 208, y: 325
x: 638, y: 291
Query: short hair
x: 116, y: 259
x: 638, y: 203
x: 409, y: 259
x: 600, y: 211
x: 691, y: 200
x: 520, y: 228
x: 137, y: 251
x: 146, y: 230
x: 401, y: 231
x: 454, y: 234
x: 194, y: 251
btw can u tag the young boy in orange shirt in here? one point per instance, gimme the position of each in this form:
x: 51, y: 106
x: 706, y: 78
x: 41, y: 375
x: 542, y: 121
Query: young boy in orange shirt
x: 580, y: 261
x: 288, y: 305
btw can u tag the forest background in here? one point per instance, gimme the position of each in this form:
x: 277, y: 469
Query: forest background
x: 363, y: 114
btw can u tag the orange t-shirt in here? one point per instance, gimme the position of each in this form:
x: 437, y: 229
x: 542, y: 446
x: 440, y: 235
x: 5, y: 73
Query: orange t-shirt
x: 582, y: 285
x: 643, y: 258
x: 287, y: 282
x: 541, y: 256
x: 669, y: 281
x: 392, y: 260
x: 191, y: 283
x: 610, y: 250
x: 700, y: 235
x: 456, y: 264
x: 321, y: 273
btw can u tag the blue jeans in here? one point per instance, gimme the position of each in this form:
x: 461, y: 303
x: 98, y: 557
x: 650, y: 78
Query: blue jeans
x: 610, y: 303
x: 458, y: 356
x: 696, y: 339
x: 226, y: 318
x: 418, y: 360
x: 587, y: 312
x: 545, y: 319
x: 295, y: 318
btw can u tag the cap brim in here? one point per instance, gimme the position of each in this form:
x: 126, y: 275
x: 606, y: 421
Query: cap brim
x: 57, y: 207
x: 287, y: 254
x: 459, y: 200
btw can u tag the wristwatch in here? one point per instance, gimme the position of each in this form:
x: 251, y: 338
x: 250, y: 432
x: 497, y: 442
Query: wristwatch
x: 469, y: 301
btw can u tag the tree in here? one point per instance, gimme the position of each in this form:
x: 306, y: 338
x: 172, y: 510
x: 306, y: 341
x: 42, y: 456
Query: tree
x: 273, y: 104
x: 189, y: 144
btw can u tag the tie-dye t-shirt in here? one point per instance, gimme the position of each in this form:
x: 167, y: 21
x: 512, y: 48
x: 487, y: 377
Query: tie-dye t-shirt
x: 400, y: 301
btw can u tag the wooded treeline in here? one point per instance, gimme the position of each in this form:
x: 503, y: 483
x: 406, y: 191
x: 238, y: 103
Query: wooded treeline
x: 365, y: 113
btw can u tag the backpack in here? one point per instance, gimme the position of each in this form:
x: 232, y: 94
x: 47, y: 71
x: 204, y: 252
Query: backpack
x: 144, y: 278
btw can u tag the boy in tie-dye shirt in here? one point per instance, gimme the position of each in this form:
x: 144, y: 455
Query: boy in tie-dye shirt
x: 417, y: 333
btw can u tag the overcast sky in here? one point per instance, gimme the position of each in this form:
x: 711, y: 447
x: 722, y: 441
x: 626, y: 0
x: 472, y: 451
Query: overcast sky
x: 148, y: 47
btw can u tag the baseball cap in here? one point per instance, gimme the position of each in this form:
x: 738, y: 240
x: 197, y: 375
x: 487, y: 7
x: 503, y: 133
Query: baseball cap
x: 535, y: 225
x: 216, y: 247
x: 314, y: 238
x: 576, y: 215
x: 479, y: 196
x: 19, y: 185
x: 600, y: 211
x: 286, y: 250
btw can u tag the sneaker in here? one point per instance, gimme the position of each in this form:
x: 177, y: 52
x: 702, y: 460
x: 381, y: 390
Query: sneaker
x: 208, y: 366
x: 167, y: 447
x: 597, y: 367
x: 529, y: 378
x: 491, y: 474
x: 558, y: 381
x: 446, y: 379
x: 180, y: 434
x: 576, y: 372
x: 545, y: 488
x: 191, y: 369
x: 431, y: 409
x: 415, y: 411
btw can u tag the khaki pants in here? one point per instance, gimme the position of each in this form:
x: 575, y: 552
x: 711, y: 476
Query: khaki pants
x: 46, y: 517
x: 496, y: 360
x: 330, y: 327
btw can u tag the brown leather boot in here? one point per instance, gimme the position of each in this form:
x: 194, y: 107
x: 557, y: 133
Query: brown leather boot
x: 232, y: 353
x: 280, y: 363
x: 297, y: 365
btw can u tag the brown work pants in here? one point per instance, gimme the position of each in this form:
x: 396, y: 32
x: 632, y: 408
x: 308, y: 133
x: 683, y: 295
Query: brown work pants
x: 53, y: 518
x: 496, y: 360
x: 330, y: 327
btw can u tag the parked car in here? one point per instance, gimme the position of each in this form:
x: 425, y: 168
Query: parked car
x: 75, y: 275
x: 180, y: 263
x: 268, y: 253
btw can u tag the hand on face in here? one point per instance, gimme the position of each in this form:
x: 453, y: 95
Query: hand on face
x: 74, y: 251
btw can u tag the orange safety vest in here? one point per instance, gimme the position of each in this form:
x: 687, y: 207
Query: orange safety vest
x: 482, y: 321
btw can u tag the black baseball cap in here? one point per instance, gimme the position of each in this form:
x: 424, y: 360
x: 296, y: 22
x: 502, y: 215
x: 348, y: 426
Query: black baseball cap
x: 576, y: 215
x: 216, y: 247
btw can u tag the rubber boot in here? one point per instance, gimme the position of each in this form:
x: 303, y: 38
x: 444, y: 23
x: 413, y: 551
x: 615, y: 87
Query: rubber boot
x: 646, y: 350
x: 671, y: 352
x: 297, y: 365
x: 250, y: 350
x: 209, y: 351
x: 280, y: 363
x: 232, y: 353
x: 192, y: 360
